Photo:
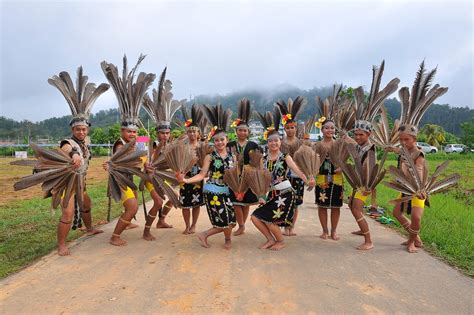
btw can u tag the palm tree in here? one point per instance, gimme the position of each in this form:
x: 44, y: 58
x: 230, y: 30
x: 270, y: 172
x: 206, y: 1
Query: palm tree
x: 435, y: 135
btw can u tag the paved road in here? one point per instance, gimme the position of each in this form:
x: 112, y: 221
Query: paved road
x: 176, y: 275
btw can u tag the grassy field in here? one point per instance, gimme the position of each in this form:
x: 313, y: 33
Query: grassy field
x: 448, y: 225
x: 27, y: 224
x: 28, y: 227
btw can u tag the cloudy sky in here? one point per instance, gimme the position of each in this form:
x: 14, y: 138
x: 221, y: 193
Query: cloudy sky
x: 222, y: 46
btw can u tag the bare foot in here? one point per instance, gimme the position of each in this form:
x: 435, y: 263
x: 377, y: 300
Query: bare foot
x: 63, y: 250
x: 418, y: 243
x: 357, y: 232
x: 365, y: 246
x: 411, y: 248
x: 286, y: 232
x: 240, y: 230
x: 268, y: 244
x: 228, y: 244
x: 186, y: 231
x: 334, y: 236
x: 131, y: 226
x: 203, y: 239
x: 94, y: 231
x: 324, y: 236
x: 291, y: 233
x: 117, y: 241
x: 161, y: 224
x: 277, y: 246
x: 147, y: 236
x: 192, y: 229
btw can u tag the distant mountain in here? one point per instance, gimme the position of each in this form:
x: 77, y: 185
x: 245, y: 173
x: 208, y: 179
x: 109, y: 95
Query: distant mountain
x: 262, y: 100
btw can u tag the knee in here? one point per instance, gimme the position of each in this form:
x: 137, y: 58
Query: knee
x: 67, y: 216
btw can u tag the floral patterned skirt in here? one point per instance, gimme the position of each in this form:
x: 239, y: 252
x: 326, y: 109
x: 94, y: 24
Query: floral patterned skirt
x: 220, y: 210
x: 191, y: 195
x: 279, y: 208
x: 298, y: 186
x: 329, y: 196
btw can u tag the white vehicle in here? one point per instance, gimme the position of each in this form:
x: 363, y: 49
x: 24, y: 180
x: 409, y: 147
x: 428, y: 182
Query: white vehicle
x: 425, y: 147
x: 452, y: 148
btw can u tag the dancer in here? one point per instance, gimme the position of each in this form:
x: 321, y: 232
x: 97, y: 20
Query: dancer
x: 279, y: 208
x: 216, y: 193
x: 290, y: 144
x: 191, y: 195
x: 77, y: 147
x: 241, y: 147
x: 414, y: 106
x: 161, y: 109
x: 129, y: 95
x: 365, y: 112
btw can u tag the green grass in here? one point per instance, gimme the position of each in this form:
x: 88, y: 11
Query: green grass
x: 448, y: 225
x: 28, y: 228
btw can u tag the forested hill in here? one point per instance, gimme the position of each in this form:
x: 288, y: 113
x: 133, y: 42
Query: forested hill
x: 448, y: 117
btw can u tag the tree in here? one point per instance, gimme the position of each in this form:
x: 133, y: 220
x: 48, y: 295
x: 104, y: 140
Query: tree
x: 98, y: 136
x: 467, y: 137
x: 435, y: 135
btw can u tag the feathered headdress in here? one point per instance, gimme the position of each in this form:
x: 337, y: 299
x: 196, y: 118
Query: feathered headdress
x: 336, y: 109
x: 129, y: 94
x: 243, y: 114
x: 270, y: 122
x: 218, y: 118
x: 81, y: 100
x: 367, y: 109
x: 162, y: 108
x: 290, y: 111
x: 193, y: 119
x: 415, y: 105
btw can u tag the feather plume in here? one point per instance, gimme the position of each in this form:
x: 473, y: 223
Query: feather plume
x: 307, y: 161
x: 415, y: 104
x: 129, y: 93
x: 57, y: 176
x: 82, y: 98
x: 180, y: 157
x: 412, y: 184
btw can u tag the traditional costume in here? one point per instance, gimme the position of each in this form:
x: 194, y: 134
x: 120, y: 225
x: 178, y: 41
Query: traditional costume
x: 281, y: 202
x: 216, y: 193
x: 289, y: 113
x: 129, y: 95
x: 242, y: 152
x: 191, y: 195
x: 80, y: 102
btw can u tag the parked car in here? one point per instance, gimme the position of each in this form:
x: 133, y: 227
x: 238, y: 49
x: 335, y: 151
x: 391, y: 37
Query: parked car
x: 425, y: 147
x: 452, y: 148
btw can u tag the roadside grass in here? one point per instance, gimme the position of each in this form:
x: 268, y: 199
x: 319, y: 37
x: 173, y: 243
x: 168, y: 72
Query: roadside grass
x: 448, y: 224
x: 28, y: 227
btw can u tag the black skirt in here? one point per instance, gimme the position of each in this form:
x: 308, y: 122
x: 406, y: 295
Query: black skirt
x: 279, y: 208
x: 191, y: 195
x: 220, y: 210
x: 298, y: 186
x: 329, y: 196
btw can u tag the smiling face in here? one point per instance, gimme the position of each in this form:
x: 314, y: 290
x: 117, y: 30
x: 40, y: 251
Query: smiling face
x: 128, y: 134
x: 242, y: 133
x: 274, y: 143
x: 220, y: 142
x: 407, y: 141
x: 329, y: 129
x: 80, y: 132
x: 361, y: 137
x: 290, y: 130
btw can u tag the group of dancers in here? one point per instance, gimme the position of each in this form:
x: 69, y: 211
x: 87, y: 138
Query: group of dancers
x: 352, y: 127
